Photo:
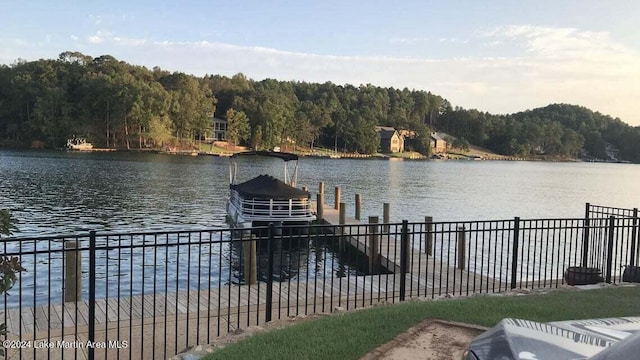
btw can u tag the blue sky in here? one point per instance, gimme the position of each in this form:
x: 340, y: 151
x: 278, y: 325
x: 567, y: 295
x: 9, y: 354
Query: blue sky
x: 496, y: 56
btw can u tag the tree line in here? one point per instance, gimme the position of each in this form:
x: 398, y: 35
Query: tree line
x: 118, y: 105
x: 555, y: 130
x: 115, y: 104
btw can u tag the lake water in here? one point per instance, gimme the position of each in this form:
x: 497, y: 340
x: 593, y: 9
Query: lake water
x: 64, y: 193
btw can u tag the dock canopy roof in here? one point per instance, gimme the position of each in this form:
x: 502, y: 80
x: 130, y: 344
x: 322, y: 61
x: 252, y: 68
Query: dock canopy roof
x: 268, y: 187
x: 282, y: 155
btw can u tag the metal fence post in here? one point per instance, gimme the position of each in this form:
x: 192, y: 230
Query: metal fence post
x: 92, y: 293
x: 514, y: 255
x: 373, y: 252
x: 585, y: 236
x: 634, y: 238
x: 403, y: 258
x: 268, y: 308
x: 612, y: 224
x: 462, y: 256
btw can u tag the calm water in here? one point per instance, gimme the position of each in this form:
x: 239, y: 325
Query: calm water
x: 53, y: 193
x: 62, y: 193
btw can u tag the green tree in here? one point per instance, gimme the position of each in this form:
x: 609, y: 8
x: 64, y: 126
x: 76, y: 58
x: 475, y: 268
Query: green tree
x: 159, y: 130
x: 256, y: 137
x: 237, y: 127
x: 460, y: 143
x: 9, y: 266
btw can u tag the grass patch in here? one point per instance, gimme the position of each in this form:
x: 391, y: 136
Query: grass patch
x: 352, y: 335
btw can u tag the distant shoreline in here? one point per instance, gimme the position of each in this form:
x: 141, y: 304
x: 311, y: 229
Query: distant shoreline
x: 455, y: 156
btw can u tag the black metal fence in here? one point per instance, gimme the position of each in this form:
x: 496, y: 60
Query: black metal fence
x: 151, y: 295
x: 604, y: 241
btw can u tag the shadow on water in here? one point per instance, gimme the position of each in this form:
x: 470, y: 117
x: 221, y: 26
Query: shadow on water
x: 301, y: 258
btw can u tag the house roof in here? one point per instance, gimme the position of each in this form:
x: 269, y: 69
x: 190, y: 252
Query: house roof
x: 386, y: 132
x: 268, y: 187
x: 436, y: 137
x: 218, y: 120
x: 277, y: 154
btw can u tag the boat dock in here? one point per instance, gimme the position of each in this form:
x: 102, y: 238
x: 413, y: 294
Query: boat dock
x: 160, y: 325
x: 421, y: 266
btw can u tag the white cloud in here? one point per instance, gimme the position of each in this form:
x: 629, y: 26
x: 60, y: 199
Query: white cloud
x: 129, y: 41
x: 95, y: 19
x: 530, y: 66
x: 409, y: 41
x: 556, y: 65
x: 98, y: 38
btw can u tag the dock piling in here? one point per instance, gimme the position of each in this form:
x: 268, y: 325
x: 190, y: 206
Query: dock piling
x: 428, y: 220
x: 73, y: 272
x: 321, y: 187
x: 358, y: 206
x: 250, y: 266
x: 320, y: 207
x: 337, y: 198
x: 386, y: 209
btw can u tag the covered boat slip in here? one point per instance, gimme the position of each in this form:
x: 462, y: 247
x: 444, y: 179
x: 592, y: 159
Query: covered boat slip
x: 256, y: 209
x: 290, y: 177
x: 266, y: 199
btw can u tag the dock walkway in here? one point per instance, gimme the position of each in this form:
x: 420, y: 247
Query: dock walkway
x: 171, y: 322
x: 162, y: 324
x: 419, y: 266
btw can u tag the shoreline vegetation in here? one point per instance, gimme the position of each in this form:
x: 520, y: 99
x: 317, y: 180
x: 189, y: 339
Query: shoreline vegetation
x: 223, y: 149
x: 113, y: 104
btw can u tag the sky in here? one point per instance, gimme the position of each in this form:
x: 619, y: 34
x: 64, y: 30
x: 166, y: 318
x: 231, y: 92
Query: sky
x: 495, y: 56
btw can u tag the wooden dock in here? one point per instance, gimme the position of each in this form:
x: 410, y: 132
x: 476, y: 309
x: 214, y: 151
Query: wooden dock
x: 161, y: 325
x: 419, y: 264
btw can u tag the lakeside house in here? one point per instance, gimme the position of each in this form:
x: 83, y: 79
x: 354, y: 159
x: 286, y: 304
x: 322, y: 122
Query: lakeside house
x: 219, y: 129
x: 391, y: 141
x: 438, y: 144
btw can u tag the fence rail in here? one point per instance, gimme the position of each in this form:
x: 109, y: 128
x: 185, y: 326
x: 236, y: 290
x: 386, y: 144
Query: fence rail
x: 151, y: 295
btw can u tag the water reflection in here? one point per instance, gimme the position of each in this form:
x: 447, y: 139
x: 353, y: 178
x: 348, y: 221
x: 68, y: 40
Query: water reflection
x: 300, y: 258
x: 134, y: 264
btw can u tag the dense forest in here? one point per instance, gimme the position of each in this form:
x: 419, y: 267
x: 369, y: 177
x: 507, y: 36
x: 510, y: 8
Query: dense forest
x: 119, y: 105
x: 555, y: 130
